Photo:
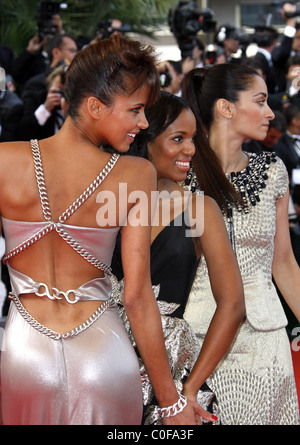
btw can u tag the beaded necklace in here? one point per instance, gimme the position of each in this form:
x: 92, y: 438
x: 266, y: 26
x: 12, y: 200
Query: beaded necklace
x: 248, y: 182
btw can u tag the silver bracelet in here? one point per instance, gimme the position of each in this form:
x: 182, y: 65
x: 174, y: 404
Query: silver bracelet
x: 175, y: 409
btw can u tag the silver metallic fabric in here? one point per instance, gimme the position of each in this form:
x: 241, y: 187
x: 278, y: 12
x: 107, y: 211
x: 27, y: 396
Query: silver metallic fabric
x: 254, y: 383
x: 96, y: 289
x: 91, y: 378
x: 88, y: 376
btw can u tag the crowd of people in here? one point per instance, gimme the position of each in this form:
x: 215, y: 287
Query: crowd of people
x: 196, y: 321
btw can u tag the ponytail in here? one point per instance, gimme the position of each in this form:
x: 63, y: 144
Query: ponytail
x: 206, y: 164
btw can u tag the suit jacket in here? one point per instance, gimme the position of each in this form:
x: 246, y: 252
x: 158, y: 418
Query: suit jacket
x: 285, y: 151
x: 34, y: 94
x: 280, y: 56
x: 11, y: 108
x: 270, y: 75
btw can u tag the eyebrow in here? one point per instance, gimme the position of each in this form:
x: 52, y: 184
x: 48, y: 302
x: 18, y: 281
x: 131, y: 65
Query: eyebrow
x: 178, y: 132
x: 258, y: 94
x: 181, y: 132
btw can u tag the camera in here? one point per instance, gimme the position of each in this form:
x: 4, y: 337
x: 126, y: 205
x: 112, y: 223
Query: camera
x: 61, y: 92
x: 186, y: 20
x: 165, y: 79
x: 108, y: 27
x: 46, y: 10
x: 279, y: 4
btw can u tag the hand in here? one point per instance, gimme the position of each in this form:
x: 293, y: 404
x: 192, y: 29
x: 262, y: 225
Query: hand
x: 192, y: 414
x: 53, y: 99
x: 199, y: 412
x: 288, y: 7
x: 187, y: 65
x: 34, y: 44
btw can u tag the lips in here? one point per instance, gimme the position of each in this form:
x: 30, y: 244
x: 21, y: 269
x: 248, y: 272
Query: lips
x: 132, y: 135
x: 184, y: 165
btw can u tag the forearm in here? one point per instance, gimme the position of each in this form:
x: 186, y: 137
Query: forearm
x: 287, y: 279
x: 221, y: 333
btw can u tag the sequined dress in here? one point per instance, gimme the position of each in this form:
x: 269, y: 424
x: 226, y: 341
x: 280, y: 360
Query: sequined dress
x: 254, y: 383
x: 173, y: 267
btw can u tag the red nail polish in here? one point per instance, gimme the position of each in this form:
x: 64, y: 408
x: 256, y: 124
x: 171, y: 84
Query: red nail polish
x: 214, y: 418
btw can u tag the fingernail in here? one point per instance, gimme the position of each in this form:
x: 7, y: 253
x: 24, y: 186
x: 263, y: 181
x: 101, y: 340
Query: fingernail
x: 214, y: 418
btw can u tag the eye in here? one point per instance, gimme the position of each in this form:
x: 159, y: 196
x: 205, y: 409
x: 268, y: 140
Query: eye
x: 136, y: 110
x: 178, y: 138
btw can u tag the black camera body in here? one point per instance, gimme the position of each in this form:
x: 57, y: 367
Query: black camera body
x: 46, y: 10
x: 186, y: 20
x: 106, y: 28
x: 280, y: 3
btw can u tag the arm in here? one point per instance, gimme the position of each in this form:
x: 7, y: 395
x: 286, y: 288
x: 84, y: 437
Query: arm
x: 227, y: 289
x: 285, y: 270
x: 141, y: 307
x: 282, y: 52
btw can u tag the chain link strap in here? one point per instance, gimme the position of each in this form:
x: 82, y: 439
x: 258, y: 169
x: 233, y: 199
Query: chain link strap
x: 55, y: 335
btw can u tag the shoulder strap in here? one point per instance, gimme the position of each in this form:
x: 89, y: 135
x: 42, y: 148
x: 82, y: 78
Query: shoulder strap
x: 39, y: 173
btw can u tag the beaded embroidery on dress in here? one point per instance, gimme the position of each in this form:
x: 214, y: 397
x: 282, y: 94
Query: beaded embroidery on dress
x: 254, y: 383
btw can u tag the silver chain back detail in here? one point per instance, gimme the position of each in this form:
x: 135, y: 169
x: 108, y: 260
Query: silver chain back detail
x: 73, y: 207
x: 82, y: 198
x: 55, y: 335
x: 81, y: 250
x: 89, y: 190
x: 40, y: 179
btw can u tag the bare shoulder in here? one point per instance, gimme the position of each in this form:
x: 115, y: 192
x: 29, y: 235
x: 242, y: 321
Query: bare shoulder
x: 12, y: 147
x: 138, y: 170
x: 210, y: 206
x: 13, y: 154
x: 135, y: 161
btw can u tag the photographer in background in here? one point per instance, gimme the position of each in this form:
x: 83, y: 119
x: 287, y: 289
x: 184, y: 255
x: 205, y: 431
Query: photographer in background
x: 110, y: 27
x: 43, y: 118
x: 228, y: 37
x: 34, y: 59
x: 171, y: 76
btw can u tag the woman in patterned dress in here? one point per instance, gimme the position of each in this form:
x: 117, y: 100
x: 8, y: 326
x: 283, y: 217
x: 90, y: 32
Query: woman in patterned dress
x: 254, y: 383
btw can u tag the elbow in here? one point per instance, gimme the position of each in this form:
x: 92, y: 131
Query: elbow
x: 238, y: 309
x: 240, y: 313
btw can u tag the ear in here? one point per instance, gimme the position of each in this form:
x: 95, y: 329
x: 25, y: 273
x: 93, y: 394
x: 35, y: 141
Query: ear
x: 94, y: 107
x: 224, y: 107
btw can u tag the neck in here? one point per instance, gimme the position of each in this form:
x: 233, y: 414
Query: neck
x: 228, y: 150
x: 165, y: 184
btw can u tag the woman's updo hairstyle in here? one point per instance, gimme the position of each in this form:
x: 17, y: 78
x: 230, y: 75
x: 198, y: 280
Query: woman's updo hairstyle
x: 114, y: 66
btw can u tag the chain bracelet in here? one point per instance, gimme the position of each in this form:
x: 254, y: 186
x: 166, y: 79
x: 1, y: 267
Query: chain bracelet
x: 175, y: 409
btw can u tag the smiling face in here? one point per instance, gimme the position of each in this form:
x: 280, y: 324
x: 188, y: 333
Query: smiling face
x: 171, y: 152
x: 123, y: 120
x: 252, y: 113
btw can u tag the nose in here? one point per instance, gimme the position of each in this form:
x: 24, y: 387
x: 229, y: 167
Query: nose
x: 269, y: 113
x: 189, y: 148
x: 143, y: 123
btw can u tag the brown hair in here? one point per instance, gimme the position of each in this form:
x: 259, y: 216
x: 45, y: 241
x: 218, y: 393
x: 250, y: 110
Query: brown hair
x: 114, y: 66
